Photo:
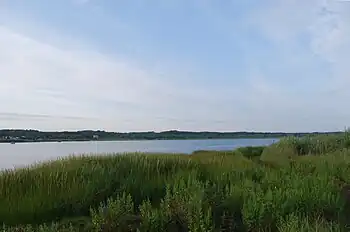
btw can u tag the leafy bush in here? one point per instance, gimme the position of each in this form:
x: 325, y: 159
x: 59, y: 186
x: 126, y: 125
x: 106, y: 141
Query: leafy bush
x: 251, y: 152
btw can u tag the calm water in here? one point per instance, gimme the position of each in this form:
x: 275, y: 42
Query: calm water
x: 15, y: 155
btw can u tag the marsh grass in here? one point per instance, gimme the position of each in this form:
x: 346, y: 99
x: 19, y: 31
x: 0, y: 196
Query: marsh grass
x: 205, y: 191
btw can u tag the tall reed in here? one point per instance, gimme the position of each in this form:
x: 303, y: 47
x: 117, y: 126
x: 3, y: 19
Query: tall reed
x: 206, y: 191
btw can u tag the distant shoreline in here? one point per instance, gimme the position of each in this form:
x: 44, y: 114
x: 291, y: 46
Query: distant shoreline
x: 126, y: 140
x: 34, y: 136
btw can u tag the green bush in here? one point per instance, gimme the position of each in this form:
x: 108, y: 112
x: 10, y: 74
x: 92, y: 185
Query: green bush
x: 251, y: 152
x: 279, y: 154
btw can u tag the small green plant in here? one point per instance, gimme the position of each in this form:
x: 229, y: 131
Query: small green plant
x: 251, y: 152
x: 116, y: 215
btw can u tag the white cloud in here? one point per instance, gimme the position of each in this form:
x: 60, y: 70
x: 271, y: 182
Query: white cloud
x: 66, y: 85
x: 43, y: 86
x: 307, y: 37
x: 38, y: 78
x: 319, y: 25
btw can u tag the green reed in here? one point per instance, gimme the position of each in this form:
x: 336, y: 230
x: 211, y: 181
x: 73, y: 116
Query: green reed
x: 205, y: 191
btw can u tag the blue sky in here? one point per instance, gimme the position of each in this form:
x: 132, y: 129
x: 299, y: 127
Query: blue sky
x: 274, y: 65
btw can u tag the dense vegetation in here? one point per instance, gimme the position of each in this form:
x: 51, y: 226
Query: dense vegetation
x: 298, y: 184
x: 40, y: 136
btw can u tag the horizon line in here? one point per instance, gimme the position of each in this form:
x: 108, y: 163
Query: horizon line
x: 176, y: 131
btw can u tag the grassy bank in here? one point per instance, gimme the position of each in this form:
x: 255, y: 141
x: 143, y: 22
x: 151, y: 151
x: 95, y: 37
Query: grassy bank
x: 294, y: 185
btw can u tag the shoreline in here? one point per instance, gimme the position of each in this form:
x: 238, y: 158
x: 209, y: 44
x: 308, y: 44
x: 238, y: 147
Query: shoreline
x: 34, y: 136
x: 130, y: 140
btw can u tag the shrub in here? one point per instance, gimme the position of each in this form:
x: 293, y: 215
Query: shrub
x: 251, y: 152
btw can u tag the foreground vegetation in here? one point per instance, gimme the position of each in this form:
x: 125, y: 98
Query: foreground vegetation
x: 7, y: 136
x: 298, y: 184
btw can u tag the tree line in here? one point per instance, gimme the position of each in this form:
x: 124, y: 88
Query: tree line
x: 87, y: 135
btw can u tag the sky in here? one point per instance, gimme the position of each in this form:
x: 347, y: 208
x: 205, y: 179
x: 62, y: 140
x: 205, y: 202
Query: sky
x: 154, y: 65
